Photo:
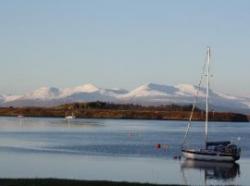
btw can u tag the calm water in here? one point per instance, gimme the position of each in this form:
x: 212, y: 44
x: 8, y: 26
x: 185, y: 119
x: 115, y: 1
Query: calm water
x: 120, y: 150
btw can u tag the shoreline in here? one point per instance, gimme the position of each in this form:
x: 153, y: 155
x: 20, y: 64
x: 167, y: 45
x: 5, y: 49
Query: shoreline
x: 146, y: 119
x: 102, y: 110
x: 70, y: 182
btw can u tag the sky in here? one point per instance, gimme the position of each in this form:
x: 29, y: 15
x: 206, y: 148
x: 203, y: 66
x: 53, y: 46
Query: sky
x: 123, y: 43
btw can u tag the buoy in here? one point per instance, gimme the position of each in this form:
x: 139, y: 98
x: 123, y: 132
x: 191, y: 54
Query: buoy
x: 165, y: 146
x: 158, y: 146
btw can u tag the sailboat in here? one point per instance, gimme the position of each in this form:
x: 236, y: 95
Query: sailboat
x: 213, y: 150
x: 69, y: 117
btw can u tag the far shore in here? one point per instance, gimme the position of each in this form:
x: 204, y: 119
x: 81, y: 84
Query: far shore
x: 102, y: 110
x: 68, y: 182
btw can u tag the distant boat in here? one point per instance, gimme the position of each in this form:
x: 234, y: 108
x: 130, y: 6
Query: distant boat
x: 72, y: 116
x: 212, y: 150
x: 20, y: 116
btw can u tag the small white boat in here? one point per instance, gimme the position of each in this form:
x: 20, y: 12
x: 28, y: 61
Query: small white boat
x: 20, y: 116
x: 212, y: 150
x: 72, y: 116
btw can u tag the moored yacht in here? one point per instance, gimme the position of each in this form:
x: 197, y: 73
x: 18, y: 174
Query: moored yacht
x: 212, y: 150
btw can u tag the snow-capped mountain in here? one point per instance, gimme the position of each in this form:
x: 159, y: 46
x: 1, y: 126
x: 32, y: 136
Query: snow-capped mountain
x: 43, y: 93
x: 2, y: 99
x: 51, y: 96
x: 8, y: 98
x: 87, y: 88
x: 148, y: 94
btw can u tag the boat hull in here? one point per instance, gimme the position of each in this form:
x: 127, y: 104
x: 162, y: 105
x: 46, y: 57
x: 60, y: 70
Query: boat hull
x: 70, y: 117
x: 208, y: 156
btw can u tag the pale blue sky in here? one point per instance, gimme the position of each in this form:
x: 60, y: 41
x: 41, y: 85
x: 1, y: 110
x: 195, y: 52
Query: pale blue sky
x: 122, y: 43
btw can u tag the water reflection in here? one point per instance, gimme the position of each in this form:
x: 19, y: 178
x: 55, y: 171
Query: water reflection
x: 218, y: 171
x: 124, y: 147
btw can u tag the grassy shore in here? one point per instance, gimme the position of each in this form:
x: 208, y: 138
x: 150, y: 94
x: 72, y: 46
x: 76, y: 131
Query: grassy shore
x: 66, y: 182
x: 121, y: 111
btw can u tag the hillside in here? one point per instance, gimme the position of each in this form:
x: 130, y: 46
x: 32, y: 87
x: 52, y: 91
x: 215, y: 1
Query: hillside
x: 121, y: 111
x: 150, y: 94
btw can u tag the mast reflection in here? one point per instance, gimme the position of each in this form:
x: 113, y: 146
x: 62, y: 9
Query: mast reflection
x: 214, y: 170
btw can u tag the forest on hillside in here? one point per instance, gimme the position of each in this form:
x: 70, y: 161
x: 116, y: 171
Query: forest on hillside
x: 121, y: 111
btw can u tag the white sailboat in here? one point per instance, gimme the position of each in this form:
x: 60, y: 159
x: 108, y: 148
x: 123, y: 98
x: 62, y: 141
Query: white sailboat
x: 69, y: 117
x: 212, y: 150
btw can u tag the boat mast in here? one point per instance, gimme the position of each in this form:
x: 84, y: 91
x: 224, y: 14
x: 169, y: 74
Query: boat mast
x: 207, y: 93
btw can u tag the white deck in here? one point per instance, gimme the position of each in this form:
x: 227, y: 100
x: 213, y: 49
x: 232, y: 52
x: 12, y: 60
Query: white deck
x: 207, y: 157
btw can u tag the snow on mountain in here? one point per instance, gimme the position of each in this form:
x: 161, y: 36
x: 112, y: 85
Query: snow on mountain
x: 182, y: 94
x: 87, y: 88
x: 8, y: 98
x: 43, y: 93
x: 156, y: 90
x: 89, y: 92
x: 1, y: 99
x: 151, y: 90
x: 148, y: 94
x: 189, y: 90
x: 160, y: 94
x: 49, y: 96
x: 246, y: 100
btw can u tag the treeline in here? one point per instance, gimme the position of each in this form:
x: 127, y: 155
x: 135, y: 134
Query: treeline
x: 106, y: 105
x: 122, y: 111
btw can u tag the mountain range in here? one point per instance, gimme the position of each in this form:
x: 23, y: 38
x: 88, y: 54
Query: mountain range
x: 148, y: 94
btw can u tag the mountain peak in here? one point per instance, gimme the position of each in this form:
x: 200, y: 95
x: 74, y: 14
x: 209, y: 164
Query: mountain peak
x: 87, y: 88
x: 152, y: 90
x: 44, y: 93
x: 186, y: 87
x: 190, y: 90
